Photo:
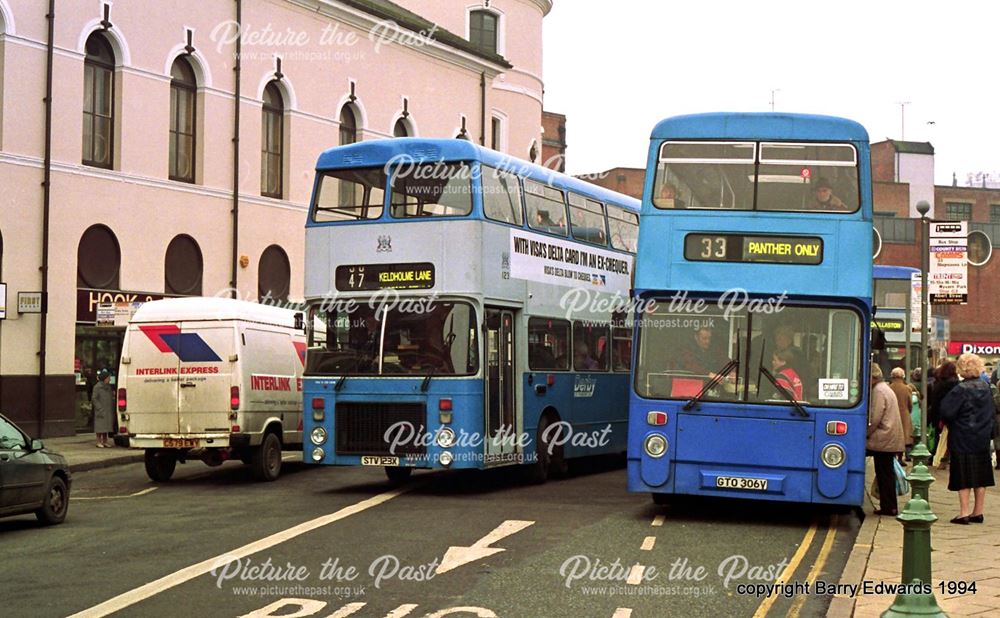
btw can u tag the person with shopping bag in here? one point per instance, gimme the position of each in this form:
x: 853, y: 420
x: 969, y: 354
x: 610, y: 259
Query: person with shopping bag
x: 885, y: 440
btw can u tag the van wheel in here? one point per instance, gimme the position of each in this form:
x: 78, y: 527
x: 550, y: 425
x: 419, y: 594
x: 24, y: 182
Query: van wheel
x: 56, y: 504
x: 397, y: 474
x: 267, y: 459
x: 160, y: 464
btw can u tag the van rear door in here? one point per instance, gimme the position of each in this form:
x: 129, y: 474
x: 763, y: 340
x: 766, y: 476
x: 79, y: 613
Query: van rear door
x: 151, y: 377
x: 205, y: 376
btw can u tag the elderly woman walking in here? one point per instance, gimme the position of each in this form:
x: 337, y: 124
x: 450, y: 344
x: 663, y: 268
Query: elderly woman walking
x: 103, y: 401
x: 967, y: 410
x: 885, y: 439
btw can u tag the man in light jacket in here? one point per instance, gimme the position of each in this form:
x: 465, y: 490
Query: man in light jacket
x: 885, y: 439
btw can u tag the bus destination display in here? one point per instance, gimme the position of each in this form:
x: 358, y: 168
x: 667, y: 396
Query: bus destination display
x: 806, y: 250
x: 369, y: 277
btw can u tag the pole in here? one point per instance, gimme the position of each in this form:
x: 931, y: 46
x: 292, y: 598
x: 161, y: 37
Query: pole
x: 918, y: 599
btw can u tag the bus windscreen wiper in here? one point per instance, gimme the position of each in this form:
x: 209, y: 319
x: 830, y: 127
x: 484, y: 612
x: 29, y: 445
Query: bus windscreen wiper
x: 764, y: 371
x: 427, y: 380
x: 719, y: 377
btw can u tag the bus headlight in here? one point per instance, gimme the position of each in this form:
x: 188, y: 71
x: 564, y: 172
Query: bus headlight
x: 317, y: 454
x: 445, y: 459
x: 318, y: 435
x: 445, y: 437
x: 655, y: 445
x: 833, y: 456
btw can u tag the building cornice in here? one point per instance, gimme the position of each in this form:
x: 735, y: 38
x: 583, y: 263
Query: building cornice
x: 545, y: 6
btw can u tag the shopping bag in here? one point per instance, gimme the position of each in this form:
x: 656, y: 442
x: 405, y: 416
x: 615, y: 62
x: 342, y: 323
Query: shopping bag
x: 942, y: 446
x: 931, y: 438
x: 902, y: 485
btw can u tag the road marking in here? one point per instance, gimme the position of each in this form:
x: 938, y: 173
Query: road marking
x: 196, y: 570
x: 789, y: 570
x: 658, y: 521
x: 622, y: 612
x: 635, y: 575
x: 824, y: 553
x: 647, y: 543
x: 457, y: 556
x: 135, y: 495
x: 347, y: 610
x: 402, y: 610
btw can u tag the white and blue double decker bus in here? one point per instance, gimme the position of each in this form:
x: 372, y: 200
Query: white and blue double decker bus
x: 461, y: 310
x: 755, y: 273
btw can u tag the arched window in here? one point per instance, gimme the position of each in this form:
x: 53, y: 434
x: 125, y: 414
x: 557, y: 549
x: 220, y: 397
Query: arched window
x: 98, y: 102
x: 348, y: 126
x: 98, y: 259
x: 271, y: 143
x: 182, y: 268
x: 483, y: 30
x: 400, y: 129
x: 274, y: 274
x: 183, y: 90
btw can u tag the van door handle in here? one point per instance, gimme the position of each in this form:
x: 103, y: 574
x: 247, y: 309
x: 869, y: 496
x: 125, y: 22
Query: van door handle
x: 188, y: 385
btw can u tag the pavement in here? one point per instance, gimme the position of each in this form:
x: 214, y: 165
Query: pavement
x: 960, y: 553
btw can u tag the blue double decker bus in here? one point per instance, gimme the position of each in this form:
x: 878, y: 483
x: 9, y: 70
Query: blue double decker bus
x: 754, y: 277
x: 462, y: 310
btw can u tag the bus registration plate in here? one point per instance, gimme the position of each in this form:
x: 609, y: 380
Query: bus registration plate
x: 379, y: 460
x: 740, y: 482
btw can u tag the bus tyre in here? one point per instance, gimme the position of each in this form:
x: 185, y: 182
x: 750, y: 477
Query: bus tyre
x: 160, y: 464
x: 546, y: 464
x: 397, y: 474
x: 266, y: 461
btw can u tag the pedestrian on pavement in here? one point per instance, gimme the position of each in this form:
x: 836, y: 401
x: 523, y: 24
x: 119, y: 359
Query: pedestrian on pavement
x: 946, y: 378
x: 885, y: 439
x: 968, y: 412
x: 103, y: 402
x: 904, y: 399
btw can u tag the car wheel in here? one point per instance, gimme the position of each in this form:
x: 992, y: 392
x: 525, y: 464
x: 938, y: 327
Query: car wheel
x: 267, y: 459
x: 397, y: 474
x: 160, y: 464
x: 56, y: 503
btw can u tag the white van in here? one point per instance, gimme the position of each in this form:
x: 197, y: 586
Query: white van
x: 212, y: 379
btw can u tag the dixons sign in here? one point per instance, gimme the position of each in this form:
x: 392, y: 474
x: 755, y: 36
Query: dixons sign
x: 982, y: 348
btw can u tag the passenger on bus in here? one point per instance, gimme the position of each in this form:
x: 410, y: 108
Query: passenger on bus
x: 825, y: 199
x: 785, y: 375
x: 668, y: 197
x: 544, y: 221
x: 582, y: 360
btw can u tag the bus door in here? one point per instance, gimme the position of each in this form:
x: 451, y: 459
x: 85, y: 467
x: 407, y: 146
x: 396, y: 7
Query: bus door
x: 501, y: 423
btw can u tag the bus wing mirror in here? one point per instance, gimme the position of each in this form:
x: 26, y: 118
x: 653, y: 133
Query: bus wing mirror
x: 878, y: 339
x: 300, y: 322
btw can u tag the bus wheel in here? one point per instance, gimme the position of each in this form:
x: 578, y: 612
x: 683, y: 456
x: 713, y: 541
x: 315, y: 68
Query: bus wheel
x: 160, y: 464
x: 545, y: 463
x: 266, y: 462
x: 397, y: 474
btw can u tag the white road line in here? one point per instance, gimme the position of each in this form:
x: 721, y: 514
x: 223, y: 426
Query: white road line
x: 635, y: 576
x: 402, y: 610
x: 347, y: 610
x: 647, y: 543
x: 622, y: 612
x: 135, y: 495
x: 658, y: 520
x: 187, y: 574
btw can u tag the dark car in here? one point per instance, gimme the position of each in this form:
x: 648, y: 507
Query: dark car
x: 32, y: 479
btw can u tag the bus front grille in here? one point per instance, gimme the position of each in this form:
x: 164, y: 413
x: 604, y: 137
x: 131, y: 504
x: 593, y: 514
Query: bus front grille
x: 361, y: 428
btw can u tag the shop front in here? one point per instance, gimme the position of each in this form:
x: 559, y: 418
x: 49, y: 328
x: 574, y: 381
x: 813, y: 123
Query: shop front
x: 988, y: 350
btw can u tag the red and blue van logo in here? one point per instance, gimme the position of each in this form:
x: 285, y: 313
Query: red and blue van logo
x: 189, y: 347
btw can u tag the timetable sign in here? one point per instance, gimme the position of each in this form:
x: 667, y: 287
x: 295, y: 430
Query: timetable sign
x: 804, y: 250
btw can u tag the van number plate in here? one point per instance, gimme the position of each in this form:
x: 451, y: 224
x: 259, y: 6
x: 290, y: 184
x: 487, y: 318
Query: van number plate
x: 181, y: 443
x: 740, y: 482
x: 378, y: 460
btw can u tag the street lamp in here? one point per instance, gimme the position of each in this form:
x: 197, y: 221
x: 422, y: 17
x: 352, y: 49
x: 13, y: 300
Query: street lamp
x: 917, y: 517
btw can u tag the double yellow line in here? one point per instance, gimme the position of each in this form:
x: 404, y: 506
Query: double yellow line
x: 814, y: 572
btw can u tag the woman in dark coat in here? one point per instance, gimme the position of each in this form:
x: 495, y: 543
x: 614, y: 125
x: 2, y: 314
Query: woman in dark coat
x: 945, y: 379
x: 967, y: 410
x: 103, y: 402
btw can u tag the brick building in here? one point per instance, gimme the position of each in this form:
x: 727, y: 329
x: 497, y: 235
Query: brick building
x: 554, y: 141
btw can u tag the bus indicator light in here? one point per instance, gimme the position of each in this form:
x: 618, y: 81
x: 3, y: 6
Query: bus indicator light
x: 550, y: 380
x: 836, y: 428
x: 656, y: 418
x: 444, y: 405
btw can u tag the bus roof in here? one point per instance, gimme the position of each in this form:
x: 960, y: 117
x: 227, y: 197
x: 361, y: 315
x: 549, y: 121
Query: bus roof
x: 376, y: 153
x: 767, y: 125
x: 880, y: 271
x: 210, y: 308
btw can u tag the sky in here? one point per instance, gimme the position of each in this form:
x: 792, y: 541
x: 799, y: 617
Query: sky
x: 617, y: 68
